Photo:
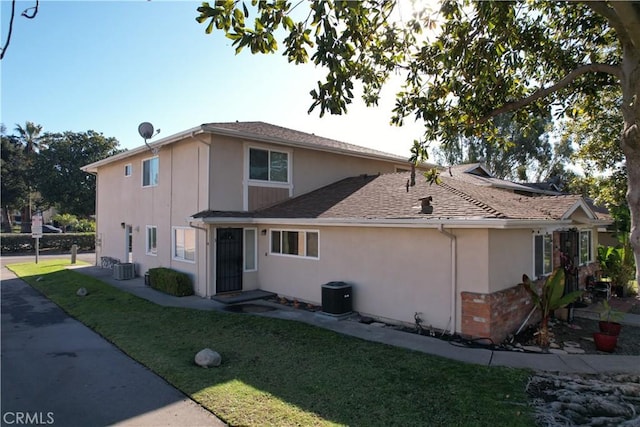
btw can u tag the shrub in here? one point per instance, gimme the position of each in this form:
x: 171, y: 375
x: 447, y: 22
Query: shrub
x: 62, y: 242
x: 86, y: 226
x: 170, y: 281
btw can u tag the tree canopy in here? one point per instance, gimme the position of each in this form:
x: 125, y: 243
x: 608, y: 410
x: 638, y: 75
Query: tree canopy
x: 60, y: 180
x: 463, y: 65
x: 14, y: 178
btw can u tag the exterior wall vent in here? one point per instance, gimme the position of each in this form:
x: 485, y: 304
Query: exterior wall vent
x: 426, y: 205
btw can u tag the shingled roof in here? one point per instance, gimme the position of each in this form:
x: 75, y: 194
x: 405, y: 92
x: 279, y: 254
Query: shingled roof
x: 387, y: 197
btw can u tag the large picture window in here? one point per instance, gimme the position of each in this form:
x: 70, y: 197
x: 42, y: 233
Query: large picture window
x: 184, y: 244
x: 295, y: 242
x: 585, y: 247
x: 152, y: 240
x: 543, y: 254
x: 150, y: 169
x: 267, y: 165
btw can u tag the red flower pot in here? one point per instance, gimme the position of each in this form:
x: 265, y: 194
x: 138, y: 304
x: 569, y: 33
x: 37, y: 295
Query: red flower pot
x: 610, y: 328
x: 605, y: 342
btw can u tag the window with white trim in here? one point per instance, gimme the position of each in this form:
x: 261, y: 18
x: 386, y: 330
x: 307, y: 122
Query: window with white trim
x: 128, y: 169
x: 250, y: 249
x: 543, y: 254
x: 299, y: 243
x: 184, y: 244
x: 268, y: 165
x: 584, y: 247
x: 152, y: 240
x: 150, y: 169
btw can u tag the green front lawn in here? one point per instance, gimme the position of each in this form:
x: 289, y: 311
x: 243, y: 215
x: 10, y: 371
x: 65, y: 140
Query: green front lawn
x: 278, y: 372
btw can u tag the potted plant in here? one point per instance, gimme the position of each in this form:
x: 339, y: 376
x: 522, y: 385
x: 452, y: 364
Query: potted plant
x: 610, y: 319
x: 550, y: 298
x: 605, y: 342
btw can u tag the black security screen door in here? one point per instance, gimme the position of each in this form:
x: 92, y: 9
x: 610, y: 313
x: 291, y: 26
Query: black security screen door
x: 569, y: 259
x: 228, y: 260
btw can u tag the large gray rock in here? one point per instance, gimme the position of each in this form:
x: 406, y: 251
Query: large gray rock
x: 207, y: 358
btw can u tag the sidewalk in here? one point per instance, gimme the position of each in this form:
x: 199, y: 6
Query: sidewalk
x: 585, y: 363
x: 58, y: 371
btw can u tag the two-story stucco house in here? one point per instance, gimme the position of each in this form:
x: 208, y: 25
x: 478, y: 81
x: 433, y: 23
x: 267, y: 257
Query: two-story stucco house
x: 244, y: 206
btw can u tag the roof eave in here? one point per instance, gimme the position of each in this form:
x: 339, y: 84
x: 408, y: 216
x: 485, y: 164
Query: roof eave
x: 93, y: 167
x: 497, y: 223
x: 274, y: 140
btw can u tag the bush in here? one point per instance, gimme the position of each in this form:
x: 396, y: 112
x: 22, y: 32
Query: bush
x: 170, y: 281
x: 62, y: 242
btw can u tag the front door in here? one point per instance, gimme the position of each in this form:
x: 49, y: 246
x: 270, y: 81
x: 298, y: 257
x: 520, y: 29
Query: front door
x: 228, y: 260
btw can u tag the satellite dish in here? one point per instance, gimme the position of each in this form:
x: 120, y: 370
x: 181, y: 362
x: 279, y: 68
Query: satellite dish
x: 145, y: 130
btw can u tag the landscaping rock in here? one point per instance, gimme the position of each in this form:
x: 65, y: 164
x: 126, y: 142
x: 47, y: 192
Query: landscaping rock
x: 589, y: 400
x: 207, y: 358
x: 82, y: 292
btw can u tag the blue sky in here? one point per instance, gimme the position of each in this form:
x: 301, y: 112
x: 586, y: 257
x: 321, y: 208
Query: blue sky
x: 109, y: 65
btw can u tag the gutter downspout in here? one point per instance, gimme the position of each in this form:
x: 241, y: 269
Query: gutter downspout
x: 454, y: 276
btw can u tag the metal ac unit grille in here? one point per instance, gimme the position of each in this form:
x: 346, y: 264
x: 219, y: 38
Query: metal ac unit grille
x: 124, y: 271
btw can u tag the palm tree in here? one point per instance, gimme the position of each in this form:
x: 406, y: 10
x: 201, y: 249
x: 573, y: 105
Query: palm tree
x: 29, y: 135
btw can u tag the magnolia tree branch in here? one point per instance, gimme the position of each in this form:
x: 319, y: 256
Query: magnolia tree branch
x: 28, y: 13
x: 623, y: 16
x: 567, y: 80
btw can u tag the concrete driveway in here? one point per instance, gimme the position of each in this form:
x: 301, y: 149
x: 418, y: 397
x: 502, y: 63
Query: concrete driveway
x: 56, y: 371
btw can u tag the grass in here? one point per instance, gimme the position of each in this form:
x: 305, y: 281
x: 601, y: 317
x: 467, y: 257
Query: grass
x: 284, y: 373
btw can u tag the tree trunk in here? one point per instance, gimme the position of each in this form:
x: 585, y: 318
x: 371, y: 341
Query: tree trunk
x: 630, y: 141
x: 7, y: 226
x: 25, y: 223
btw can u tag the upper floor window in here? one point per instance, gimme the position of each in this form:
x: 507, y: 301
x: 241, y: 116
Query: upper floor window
x: 150, y: 172
x: 585, y: 247
x: 268, y: 165
x: 543, y: 255
x: 127, y: 169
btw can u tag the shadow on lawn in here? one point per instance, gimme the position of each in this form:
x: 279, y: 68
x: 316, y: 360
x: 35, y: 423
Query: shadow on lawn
x: 280, y: 372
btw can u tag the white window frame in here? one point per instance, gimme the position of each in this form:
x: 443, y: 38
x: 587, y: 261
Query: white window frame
x: 246, y: 248
x: 151, y: 184
x: 268, y: 181
x: 590, y: 247
x: 544, y: 237
x: 174, y: 240
x: 148, y: 249
x: 304, y: 241
x: 128, y: 170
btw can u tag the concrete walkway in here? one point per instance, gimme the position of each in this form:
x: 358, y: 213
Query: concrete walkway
x: 57, y: 371
x: 586, y: 363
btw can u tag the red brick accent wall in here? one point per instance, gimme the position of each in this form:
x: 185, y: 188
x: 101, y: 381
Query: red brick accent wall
x: 495, y: 315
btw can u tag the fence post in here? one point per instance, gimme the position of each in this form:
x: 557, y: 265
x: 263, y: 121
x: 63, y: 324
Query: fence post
x: 74, y: 252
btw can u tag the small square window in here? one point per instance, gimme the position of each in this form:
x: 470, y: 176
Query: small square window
x: 128, y: 169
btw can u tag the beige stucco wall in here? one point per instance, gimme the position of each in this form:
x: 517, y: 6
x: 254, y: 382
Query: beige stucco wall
x: 310, y: 169
x: 177, y: 196
x: 510, y: 256
x: 394, y: 272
